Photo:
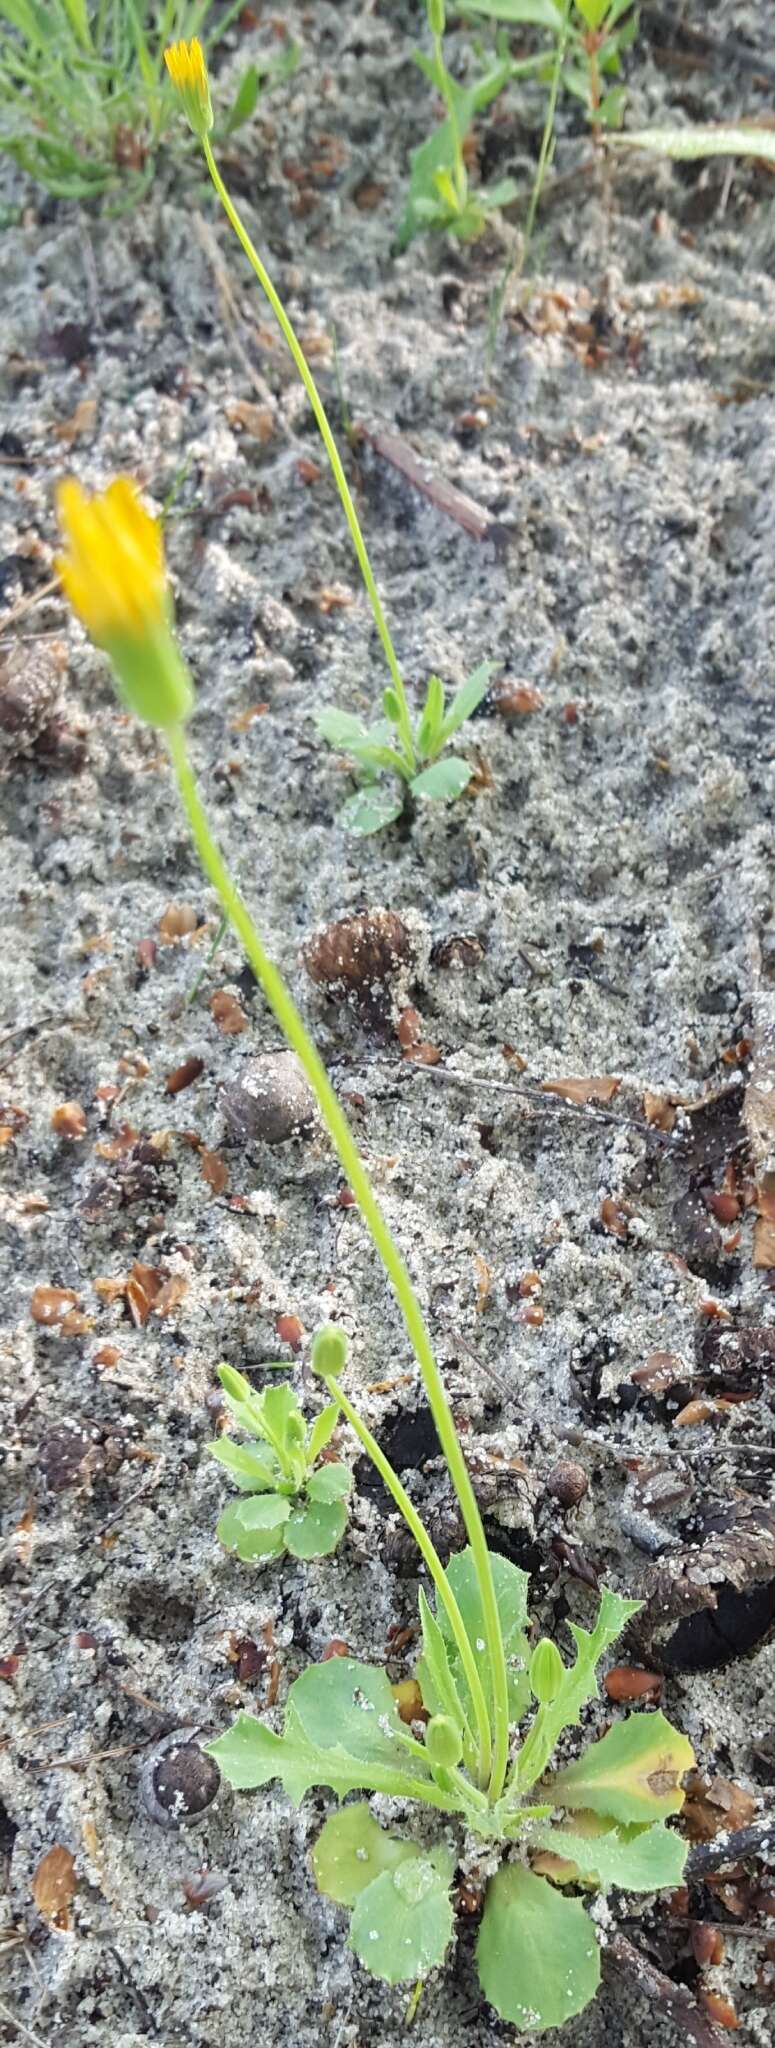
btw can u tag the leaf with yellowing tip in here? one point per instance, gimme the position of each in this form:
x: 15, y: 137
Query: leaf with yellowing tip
x: 633, y: 1774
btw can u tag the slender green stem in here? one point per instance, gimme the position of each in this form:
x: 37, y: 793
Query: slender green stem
x: 431, y: 1558
x: 404, y: 723
x: 515, y: 265
x: 292, y: 1027
x: 445, y: 85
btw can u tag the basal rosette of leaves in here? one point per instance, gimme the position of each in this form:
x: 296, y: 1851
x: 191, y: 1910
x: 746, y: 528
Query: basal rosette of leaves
x: 290, y: 1501
x: 600, y: 1821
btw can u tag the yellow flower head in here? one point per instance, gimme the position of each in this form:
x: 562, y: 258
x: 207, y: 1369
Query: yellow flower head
x: 113, y: 572
x: 187, y: 68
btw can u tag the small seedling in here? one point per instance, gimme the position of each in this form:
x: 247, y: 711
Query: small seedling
x: 596, y: 1822
x: 290, y: 1501
x: 379, y: 751
x: 440, y: 195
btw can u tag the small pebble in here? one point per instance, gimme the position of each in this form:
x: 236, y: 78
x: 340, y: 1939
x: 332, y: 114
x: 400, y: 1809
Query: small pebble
x: 178, y: 1781
x: 271, y: 1100
x: 567, y: 1483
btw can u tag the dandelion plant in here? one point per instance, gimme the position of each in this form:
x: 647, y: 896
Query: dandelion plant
x: 495, y: 1707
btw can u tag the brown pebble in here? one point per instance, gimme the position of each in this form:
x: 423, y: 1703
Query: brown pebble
x: 182, y: 1076
x: 29, y: 691
x: 515, y: 699
x: 271, y: 1100
x: 567, y: 1483
x: 68, y: 1457
x: 49, y: 1305
x: 178, y: 1782
x: 69, y: 1120
x: 359, y: 952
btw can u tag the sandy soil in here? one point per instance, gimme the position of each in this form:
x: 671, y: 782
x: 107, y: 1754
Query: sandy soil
x: 611, y: 871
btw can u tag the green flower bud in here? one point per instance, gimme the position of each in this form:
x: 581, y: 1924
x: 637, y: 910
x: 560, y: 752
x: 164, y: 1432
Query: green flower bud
x: 547, y: 1672
x: 329, y: 1351
x: 234, y: 1383
x: 437, y: 20
x: 443, y: 1741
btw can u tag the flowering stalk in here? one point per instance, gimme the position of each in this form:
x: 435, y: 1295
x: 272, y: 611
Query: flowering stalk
x: 113, y: 572
x: 186, y: 65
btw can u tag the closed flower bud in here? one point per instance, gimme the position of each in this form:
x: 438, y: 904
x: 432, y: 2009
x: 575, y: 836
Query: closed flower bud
x: 436, y: 17
x: 547, y: 1672
x: 234, y: 1383
x: 443, y: 1741
x: 187, y: 68
x: 329, y: 1350
x: 114, y: 574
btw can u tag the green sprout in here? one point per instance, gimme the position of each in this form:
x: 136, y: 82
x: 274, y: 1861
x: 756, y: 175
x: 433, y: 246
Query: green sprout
x: 84, y: 96
x: 597, y: 1822
x: 290, y: 1500
x: 389, y: 775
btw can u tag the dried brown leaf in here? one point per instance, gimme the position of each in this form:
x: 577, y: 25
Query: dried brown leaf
x: 594, y: 1088
x: 54, y: 1886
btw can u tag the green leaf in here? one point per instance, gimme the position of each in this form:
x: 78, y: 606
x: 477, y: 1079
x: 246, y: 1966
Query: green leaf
x: 342, y: 1729
x: 537, y: 1956
x: 611, y: 107
x: 370, y: 810
x: 511, y: 1586
x: 431, y: 723
x: 281, y: 1418
x: 543, y: 13
x: 633, y: 1774
x: 252, y: 1473
x: 592, y: 11
x: 316, y: 1530
x: 322, y: 1430
x: 445, y: 779
x: 255, y: 1527
x: 437, y: 1685
x: 503, y: 194
x: 339, y: 728
x: 686, y: 144
x: 467, y: 698
x: 351, y: 1850
x: 637, y: 1859
x: 330, y: 1482
x: 578, y: 1686
x: 438, y: 152
x: 402, y: 1923
x: 245, y: 100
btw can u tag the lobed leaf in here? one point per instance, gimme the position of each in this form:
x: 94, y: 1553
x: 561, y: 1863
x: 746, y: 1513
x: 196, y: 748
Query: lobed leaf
x: 637, y: 1859
x: 537, y: 1956
x: 578, y: 1686
x: 253, y: 1473
x: 339, y: 1699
